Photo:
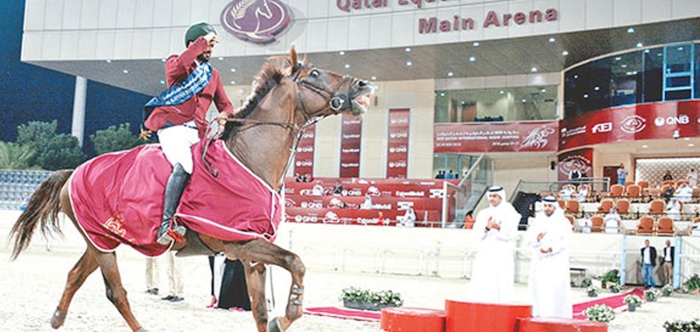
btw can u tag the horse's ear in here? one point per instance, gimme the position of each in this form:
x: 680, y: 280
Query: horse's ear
x: 293, y: 57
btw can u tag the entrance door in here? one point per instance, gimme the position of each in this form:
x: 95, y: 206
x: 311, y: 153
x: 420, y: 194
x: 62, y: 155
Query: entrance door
x: 610, y: 172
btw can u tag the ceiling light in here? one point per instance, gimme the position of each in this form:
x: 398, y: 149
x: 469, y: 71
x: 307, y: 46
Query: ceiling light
x: 565, y: 53
x: 163, y: 60
x: 409, y: 63
x: 109, y: 60
x: 630, y: 30
x: 646, y: 51
x: 341, y: 52
x: 221, y: 58
x: 463, y: 102
x: 543, y: 90
x: 233, y: 70
x: 691, y: 144
x: 623, y: 65
x: 640, y: 45
x: 408, y: 49
x: 523, y: 100
x: 374, y: 78
x: 680, y: 48
x: 552, y: 39
x: 472, y: 58
x: 686, y: 138
x: 534, y: 69
x: 618, y: 58
x: 596, y: 88
x: 644, y: 146
x: 162, y: 82
x: 442, y: 94
x: 347, y: 66
x: 125, y: 71
x: 475, y: 44
x: 585, y: 95
x: 501, y: 92
x: 233, y: 82
x: 449, y: 74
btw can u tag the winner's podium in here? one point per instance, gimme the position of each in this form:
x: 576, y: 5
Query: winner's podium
x: 461, y: 316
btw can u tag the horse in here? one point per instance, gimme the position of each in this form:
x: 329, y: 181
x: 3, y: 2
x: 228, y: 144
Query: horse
x: 289, y: 94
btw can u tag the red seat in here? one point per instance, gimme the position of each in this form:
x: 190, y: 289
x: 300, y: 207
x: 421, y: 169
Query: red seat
x: 665, y: 226
x: 645, y: 225
x: 657, y: 206
x: 597, y: 224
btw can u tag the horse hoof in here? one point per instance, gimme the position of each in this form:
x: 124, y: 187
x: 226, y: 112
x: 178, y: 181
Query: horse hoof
x: 273, y: 326
x: 58, y: 318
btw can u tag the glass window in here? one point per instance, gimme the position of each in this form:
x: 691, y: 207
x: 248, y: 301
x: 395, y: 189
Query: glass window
x: 488, y: 105
x: 653, y: 75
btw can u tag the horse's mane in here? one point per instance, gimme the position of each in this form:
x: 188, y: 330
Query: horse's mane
x: 269, y: 77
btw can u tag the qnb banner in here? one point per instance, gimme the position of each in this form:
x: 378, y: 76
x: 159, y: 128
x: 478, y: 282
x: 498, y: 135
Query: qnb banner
x: 628, y: 123
x: 531, y: 136
x: 304, y: 158
x: 350, y: 143
x: 397, y: 149
x: 581, y: 160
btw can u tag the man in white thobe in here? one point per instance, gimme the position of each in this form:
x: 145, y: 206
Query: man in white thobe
x: 493, y: 269
x: 550, y: 283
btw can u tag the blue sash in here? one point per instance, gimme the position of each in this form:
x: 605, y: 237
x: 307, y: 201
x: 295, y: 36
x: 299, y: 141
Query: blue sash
x: 181, y: 92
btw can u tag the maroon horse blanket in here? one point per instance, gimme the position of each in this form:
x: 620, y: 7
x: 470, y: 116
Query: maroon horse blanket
x: 118, y: 198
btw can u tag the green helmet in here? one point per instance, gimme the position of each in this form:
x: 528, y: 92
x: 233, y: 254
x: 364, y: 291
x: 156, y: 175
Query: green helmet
x: 197, y: 30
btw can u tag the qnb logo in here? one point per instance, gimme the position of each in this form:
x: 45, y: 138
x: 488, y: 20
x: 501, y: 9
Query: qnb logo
x: 305, y: 149
x: 398, y: 149
x: 397, y: 164
x: 672, y: 120
x: 437, y: 193
x: 257, y: 21
x: 633, y: 124
x: 602, y: 127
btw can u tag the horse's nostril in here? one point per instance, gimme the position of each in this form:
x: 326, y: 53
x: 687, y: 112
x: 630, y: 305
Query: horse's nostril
x: 361, y: 83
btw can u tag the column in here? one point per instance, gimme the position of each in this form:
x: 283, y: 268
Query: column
x: 78, y: 125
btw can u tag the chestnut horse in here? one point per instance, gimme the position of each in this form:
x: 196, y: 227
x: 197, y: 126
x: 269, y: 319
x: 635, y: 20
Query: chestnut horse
x: 288, y: 95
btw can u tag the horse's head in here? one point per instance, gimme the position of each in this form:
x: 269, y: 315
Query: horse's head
x: 322, y: 92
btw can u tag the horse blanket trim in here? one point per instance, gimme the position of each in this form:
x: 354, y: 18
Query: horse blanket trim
x: 118, y: 198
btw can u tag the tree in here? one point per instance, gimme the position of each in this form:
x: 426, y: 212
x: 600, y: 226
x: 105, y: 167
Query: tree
x: 14, y: 156
x: 115, y: 139
x: 51, y: 151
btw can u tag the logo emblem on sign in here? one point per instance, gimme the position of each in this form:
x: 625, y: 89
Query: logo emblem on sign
x: 633, y: 124
x: 257, y: 21
x: 537, y: 138
x: 602, y: 127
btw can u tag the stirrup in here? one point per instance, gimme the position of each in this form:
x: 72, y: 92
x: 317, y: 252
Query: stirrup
x: 174, y: 233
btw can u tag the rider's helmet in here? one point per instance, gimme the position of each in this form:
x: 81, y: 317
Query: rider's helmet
x: 197, y: 30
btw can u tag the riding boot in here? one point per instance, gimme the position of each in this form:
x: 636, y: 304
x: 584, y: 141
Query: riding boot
x: 173, y: 191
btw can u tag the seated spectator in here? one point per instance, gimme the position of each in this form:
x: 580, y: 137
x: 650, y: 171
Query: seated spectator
x: 367, y: 204
x: 408, y: 219
x: 469, y: 220
x: 336, y: 203
x: 317, y: 189
x: 566, y: 191
x: 582, y: 193
x: 667, y: 194
x: 673, y: 210
x: 586, y: 223
x: 684, y: 193
x: 694, y: 229
x: 338, y: 188
x: 298, y: 178
x: 612, y: 221
x: 381, y: 220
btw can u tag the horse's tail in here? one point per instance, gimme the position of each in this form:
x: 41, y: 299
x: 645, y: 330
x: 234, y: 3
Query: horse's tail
x: 42, y: 208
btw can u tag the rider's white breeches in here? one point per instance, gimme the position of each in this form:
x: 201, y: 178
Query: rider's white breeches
x: 176, y: 142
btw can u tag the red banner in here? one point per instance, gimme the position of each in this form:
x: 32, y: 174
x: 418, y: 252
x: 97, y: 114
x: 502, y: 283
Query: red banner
x: 350, y: 143
x: 581, y: 159
x: 529, y: 136
x: 397, y: 149
x: 629, y: 123
x: 304, y: 158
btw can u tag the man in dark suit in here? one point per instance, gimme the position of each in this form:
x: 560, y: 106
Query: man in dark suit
x: 648, y: 264
x: 668, y: 262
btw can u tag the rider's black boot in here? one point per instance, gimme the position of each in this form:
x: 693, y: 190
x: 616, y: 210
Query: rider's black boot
x: 173, y: 191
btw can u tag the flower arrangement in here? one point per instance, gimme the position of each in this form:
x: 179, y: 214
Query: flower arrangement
x: 615, y: 288
x: 599, y: 313
x: 667, y: 290
x: 586, y: 282
x: 633, y: 300
x: 593, y: 290
x: 611, y: 277
x: 358, y: 298
x: 692, y: 285
x: 683, y: 326
x: 651, y: 294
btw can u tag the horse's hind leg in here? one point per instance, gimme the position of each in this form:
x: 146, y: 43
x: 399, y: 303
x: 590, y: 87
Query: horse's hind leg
x: 114, y: 288
x: 76, y: 277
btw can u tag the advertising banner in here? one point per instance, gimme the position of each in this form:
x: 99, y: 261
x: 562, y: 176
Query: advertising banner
x: 581, y: 160
x: 635, y: 122
x: 350, y: 143
x: 531, y: 136
x: 397, y: 149
x: 304, y: 158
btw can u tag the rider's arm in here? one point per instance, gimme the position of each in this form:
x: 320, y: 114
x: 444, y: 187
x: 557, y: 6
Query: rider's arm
x: 177, y: 65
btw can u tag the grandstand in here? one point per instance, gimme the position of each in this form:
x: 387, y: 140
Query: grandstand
x: 13, y: 184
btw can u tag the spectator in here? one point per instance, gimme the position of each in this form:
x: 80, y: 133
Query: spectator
x: 612, y: 221
x: 575, y: 175
x: 336, y: 203
x: 582, y: 193
x: 317, y: 190
x: 668, y: 262
x: 668, y: 193
x: 684, y: 193
x: 440, y: 175
x: 409, y: 218
x: 228, y: 284
x: 567, y: 191
x: 693, y: 178
x: 621, y: 174
x: 673, y: 210
x: 469, y: 220
x: 381, y: 220
x: 367, y: 204
x: 24, y: 200
x: 450, y: 175
x: 338, y: 188
x: 175, y: 281
x: 298, y: 178
x: 586, y: 223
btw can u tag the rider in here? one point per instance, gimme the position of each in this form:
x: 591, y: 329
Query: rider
x: 178, y: 114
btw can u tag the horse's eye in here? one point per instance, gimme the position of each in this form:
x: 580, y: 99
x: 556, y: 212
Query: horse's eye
x: 314, y: 74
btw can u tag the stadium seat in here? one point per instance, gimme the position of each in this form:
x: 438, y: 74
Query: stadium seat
x: 597, y: 224
x: 573, y: 206
x: 616, y: 190
x: 657, y: 206
x: 605, y: 205
x: 634, y: 193
x: 665, y: 226
x: 643, y: 184
x: 645, y: 225
x: 623, y: 207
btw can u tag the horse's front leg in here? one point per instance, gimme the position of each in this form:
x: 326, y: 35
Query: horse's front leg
x: 114, y: 289
x: 263, y: 252
x: 255, y: 280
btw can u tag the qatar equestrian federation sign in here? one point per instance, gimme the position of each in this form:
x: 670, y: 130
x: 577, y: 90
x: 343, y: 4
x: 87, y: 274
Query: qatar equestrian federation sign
x: 256, y: 21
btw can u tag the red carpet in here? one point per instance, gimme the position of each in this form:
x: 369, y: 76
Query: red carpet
x: 616, y: 302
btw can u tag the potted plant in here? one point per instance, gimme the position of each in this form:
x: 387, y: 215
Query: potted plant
x: 667, y: 290
x: 586, y: 282
x: 592, y: 290
x: 633, y: 301
x: 615, y: 288
x: 683, y: 326
x: 599, y: 313
x: 651, y: 294
x: 364, y: 299
x: 610, y: 278
x: 353, y: 297
x: 692, y: 285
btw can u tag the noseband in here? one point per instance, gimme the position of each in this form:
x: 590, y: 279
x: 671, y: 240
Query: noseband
x: 337, y: 101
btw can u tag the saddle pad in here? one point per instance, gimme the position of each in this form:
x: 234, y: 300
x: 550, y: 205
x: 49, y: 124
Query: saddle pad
x: 118, y: 198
